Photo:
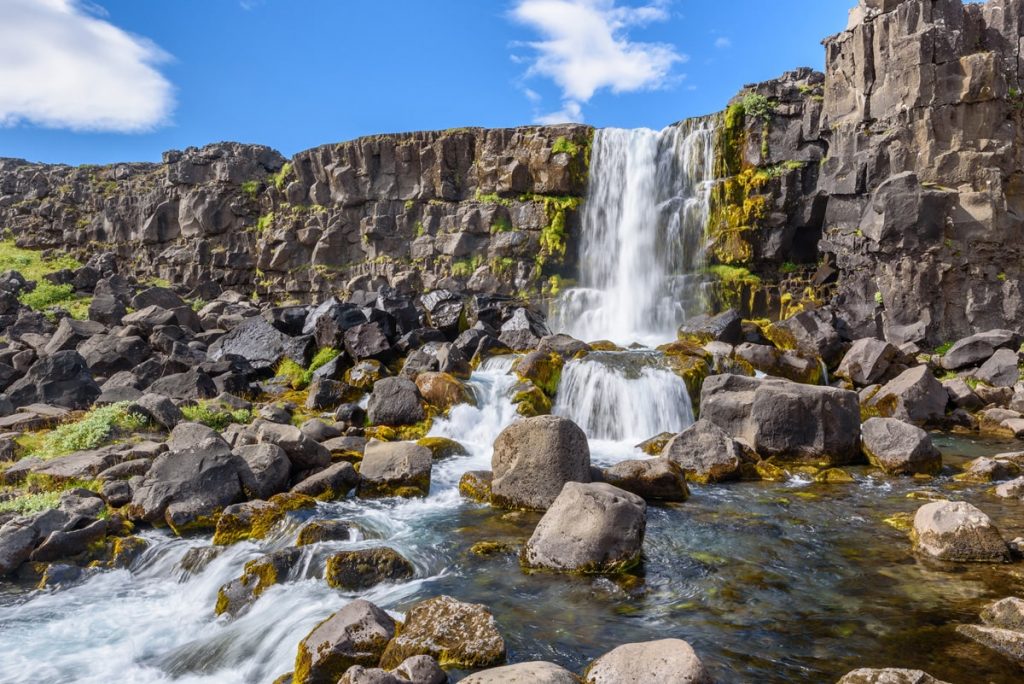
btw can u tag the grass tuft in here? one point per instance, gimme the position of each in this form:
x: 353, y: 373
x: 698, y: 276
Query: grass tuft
x: 94, y: 429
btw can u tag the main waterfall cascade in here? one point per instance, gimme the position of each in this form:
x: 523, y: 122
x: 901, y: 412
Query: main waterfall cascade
x: 641, y: 267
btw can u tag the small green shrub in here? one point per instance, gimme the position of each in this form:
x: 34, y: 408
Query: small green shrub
x: 251, y: 188
x: 92, y: 430
x: 280, y: 178
x: 45, y: 294
x: 565, y: 145
x: 943, y: 348
x: 758, y: 107
x: 464, y: 268
x: 23, y: 504
x: 215, y: 416
x: 292, y: 372
x: 264, y: 223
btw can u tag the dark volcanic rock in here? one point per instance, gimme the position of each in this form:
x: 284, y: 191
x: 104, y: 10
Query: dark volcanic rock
x: 62, y: 379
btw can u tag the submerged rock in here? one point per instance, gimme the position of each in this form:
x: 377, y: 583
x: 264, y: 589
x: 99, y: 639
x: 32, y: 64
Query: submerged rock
x: 889, y: 675
x: 258, y: 575
x: 899, y: 448
x: 533, y: 458
x: 957, y: 531
x: 665, y: 660
x: 355, y: 635
x: 414, y: 670
x: 655, y: 478
x: 457, y: 634
x: 590, y: 528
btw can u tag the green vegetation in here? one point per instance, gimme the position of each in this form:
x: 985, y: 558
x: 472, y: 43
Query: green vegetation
x: 463, y: 268
x: 215, y: 415
x: 501, y: 225
x: 788, y: 267
x: 878, y: 298
x: 943, y: 348
x: 492, y: 198
x: 554, y: 235
x: 264, y: 223
x: 38, y: 493
x: 30, y: 263
x: 251, y: 188
x: 280, y: 178
x: 299, y: 377
x: 734, y: 275
x: 96, y: 428
x: 565, y: 145
x: 758, y: 107
x: 46, y: 294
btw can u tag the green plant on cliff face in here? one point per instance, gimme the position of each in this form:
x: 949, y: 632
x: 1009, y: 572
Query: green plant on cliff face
x: 554, y: 236
x: 492, y: 198
x: 464, y: 268
x: 264, y: 223
x: 734, y: 275
x: 878, y: 298
x: 757, y: 106
x: 1015, y: 98
x: 565, y: 145
x: 251, y: 188
x: 788, y: 267
x: 280, y: 178
x: 943, y: 348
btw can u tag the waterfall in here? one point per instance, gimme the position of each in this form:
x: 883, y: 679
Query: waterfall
x: 623, y: 396
x: 641, y: 251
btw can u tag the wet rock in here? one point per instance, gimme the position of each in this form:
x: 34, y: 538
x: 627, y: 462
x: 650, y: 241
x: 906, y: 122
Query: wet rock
x: 899, y: 448
x: 442, y: 390
x: 1001, y: 369
x: 1007, y: 613
x: 258, y: 575
x: 365, y: 568
x: 566, y: 346
x: 522, y: 331
x: 395, y: 401
x: 914, y: 396
x: 705, y: 453
x: 977, y: 348
x: 652, y: 479
x: 355, y: 635
x: 665, y: 660
x: 442, y: 447
x: 476, y: 485
x: 724, y: 327
x: 1006, y: 642
x: 533, y: 458
x: 266, y: 471
x: 333, y: 482
x: 66, y: 543
x: 785, y: 420
x: 62, y: 379
x: 590, y: 528
x: 459, y: 635
x: 868, y: 361
x: 985, y: 469
x: 889, y: 675
x: 394, y: 469
x: 302, y: 451
x: 317, y: 531
x: 536, y: 672
x: 957, y: 531
x: 543, y: 369
x: 1014, y: 489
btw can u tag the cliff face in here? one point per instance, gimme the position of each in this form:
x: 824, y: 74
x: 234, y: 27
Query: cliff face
x: 487, y: 210
x: 890, y: 188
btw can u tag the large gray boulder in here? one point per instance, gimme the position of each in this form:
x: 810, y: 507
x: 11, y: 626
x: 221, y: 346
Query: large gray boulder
x: 302, y: 451
x: 888, y: 675
x: 705, y: 452
x: 187, y: 489
x: 653, y: 479
x: 394, y: 469
x: 868, y: 361
x: 665, y: 660
x: 458, y: 634
x: 395, y: 401
x: 783, y: 419
x: 899, y: 448
x: 590, y: 528
x: 534, y: 672
x: 1001, y: 369
x: 61, y: 379
x: 977, y: 348
x: 262, y: 345
x: 957, y: 531
x: 355, y: 635
x: 266, y: 471
x: 914, y: 396
x: 533, y: 458
x: 811, y: 332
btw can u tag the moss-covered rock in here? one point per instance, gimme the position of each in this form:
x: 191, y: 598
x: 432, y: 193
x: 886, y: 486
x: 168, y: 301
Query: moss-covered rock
x: 530, y: 400
x: 542, y: 369
x: 317, y: 531
x: 476, y: 485
x: 355, y: 635
x: 459, y: 635
x: 442, y: 447
x: 257, y: 576
x: 364, y: 568
x: 442, y: 390
x: 254, y: 519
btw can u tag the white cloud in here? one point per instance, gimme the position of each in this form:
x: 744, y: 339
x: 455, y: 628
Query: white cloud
x: 586, y: 48
x: 571, y: 112
x: 532, y: 95
x: 723, y: 43
x: 62, y: 66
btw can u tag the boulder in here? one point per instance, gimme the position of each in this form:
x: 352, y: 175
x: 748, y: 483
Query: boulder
x: 724, y: 327
x: 262, y: 345
x: 664, y: 660
x: 70, y: 333
x: 106, y: 309
x: 705, y: 453
x: 1001, y: 369
x: 258, y: 575
x: 888, y: 675
x: 61, y: 379
x: 1006, y: 642
x: 523, y: 330
x: 653, y: 479
x: 364, y: 568
x: 868, y: 361
x: 957, y: 531
x: 783, y: 419
x: 914, y: 396
x: 977, y: 348
x: 317, y: 531
x: 459, y: 635
x: 355, y: 635
x: 442, y: 390
x: 590, y: 528
x: 899, y: 448
x: 395, y: 401
x: 159, y: 409
x: 1014, y: 489
x: 986, y: 469
x: 302, y: 451
x: 534, y: 672
x: 533, y: 458
x: 266, y: 470
x: 333, y: 482
x: 109, y: 354
x: 394, y: 469
x: 193, y: 384
x: 961, y: 394
x: 1007, y: 613
x: 414, y: 670
x: 810, y: 332
x: 369, y: 341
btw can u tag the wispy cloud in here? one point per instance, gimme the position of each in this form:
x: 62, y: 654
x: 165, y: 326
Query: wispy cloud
x: 571, y: 112
x: 723, y: 43
x: 63, y: 65
x: 586, y: 47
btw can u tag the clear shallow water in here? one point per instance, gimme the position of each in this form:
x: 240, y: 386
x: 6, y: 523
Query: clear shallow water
x: 771, y: 582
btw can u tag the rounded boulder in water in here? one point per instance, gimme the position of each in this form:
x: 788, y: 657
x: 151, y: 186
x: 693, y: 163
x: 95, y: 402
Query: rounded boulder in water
x: 533, y: 458
x: 665, y: 660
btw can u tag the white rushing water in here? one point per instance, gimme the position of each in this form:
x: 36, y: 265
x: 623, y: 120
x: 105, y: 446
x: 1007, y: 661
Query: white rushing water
x: 642, y: 243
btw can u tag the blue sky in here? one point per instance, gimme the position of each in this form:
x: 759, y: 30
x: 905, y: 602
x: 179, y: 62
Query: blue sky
x: 123, y: 80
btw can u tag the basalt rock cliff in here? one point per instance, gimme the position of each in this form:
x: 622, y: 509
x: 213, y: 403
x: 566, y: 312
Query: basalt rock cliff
x: 888, y: 190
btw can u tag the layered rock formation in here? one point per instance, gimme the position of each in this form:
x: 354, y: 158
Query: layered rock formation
x: 487, y: 210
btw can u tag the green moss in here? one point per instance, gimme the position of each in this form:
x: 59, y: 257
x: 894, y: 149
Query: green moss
x: 92, y: 430
x: 251, y: 188
x: 464, y: 268
x: 734, y: 274
x: 943, y: 348
x: 531, y: 401
x: 492, y: 198
x: 501, y: 225
x: 265, y: 222
x: 442, y: 447
x: 565, y: 145
x: 216, y: 416
x: 293, y: 372
x: 46, y: 294
x: 280, y: 179
x: 554, y: 236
